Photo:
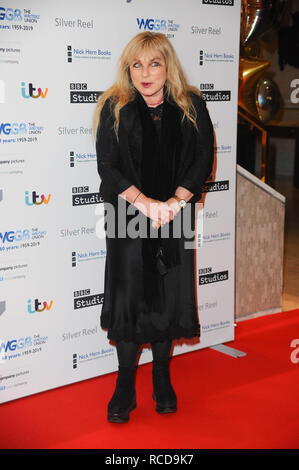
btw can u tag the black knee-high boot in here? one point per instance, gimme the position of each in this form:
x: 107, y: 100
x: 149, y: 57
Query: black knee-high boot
x: 124, y: 398
x: 164, y: 394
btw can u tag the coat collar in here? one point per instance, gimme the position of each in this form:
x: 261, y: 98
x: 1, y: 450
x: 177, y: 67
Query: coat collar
x: 129, y: 112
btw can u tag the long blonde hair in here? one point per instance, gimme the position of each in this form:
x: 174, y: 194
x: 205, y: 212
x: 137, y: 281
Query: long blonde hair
x: 123, y: 91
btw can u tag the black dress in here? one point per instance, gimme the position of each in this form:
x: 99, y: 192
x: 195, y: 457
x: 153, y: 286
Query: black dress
x: 134, y: 322
x: 156, y: 114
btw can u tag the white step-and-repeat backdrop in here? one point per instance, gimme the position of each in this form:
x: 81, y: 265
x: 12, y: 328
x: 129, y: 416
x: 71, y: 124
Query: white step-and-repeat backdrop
x: 55, y: 58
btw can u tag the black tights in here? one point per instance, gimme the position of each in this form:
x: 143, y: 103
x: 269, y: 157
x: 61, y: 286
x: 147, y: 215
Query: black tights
x: 127, y: 352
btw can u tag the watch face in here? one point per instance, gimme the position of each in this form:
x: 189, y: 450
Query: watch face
x: 182, y: 203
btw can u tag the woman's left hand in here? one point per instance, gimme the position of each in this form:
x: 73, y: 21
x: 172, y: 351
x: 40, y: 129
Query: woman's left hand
x: 173, y: 203
x: 175, y: 207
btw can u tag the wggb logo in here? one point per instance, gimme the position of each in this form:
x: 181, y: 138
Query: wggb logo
x: 12, y: 236
x: 10, y: 14
x: 14, y: 344
x: 14, y: 128
x: 152, y: 24
x: 12, y: 19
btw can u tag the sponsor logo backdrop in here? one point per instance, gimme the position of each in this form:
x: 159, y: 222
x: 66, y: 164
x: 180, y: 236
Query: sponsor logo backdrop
x: 55, y: 61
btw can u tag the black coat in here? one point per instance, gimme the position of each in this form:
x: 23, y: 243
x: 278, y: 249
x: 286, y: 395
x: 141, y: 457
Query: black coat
x: 119, y: 161
x: 124, y: 312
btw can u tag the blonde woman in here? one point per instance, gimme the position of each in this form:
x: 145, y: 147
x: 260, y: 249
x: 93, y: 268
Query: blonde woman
x: 155, y: 147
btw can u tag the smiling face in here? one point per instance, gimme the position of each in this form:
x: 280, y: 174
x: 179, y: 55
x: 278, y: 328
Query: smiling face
x: 148, y: 74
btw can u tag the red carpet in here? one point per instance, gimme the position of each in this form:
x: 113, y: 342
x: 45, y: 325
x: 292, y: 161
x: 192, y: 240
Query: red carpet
x: 224, y: 402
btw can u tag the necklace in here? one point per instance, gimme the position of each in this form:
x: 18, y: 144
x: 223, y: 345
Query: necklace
x: 152, y: 105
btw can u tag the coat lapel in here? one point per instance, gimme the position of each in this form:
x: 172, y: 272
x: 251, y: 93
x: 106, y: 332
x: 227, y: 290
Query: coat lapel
x: 131, y: 133
x: 131, y: 123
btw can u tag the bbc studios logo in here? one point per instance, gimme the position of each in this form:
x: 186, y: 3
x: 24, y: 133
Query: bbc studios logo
x: 82, y: 197
x: 207, y: 276
x: 227, y: 3
x: 79, y: 94
x: 83, y: 298
x: 210, y: 94
x: 214, y: 186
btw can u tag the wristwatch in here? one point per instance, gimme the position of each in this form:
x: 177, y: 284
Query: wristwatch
x: 181, y: 202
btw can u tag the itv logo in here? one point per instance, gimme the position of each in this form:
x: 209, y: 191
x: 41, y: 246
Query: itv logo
x: 37, y: 306
x: 31, y: 91
x: 34, y: 199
